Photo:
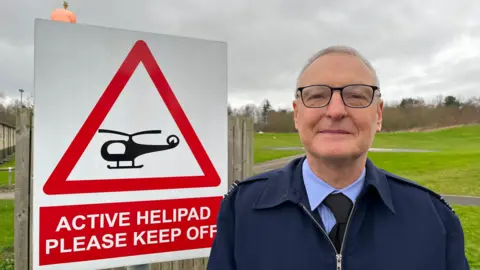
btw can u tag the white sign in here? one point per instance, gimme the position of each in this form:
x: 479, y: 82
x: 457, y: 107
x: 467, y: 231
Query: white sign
x: 130, y: 146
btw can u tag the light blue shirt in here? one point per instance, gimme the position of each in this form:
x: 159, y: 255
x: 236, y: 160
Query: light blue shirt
x: 318, y: 190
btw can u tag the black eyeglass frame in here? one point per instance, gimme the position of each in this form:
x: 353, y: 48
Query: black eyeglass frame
x: 340, y: 89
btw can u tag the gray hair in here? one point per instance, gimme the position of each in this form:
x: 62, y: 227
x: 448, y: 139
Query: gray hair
x: 339, y: 49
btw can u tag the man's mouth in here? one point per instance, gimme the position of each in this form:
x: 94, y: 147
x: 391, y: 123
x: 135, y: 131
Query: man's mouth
x: 334, y: 131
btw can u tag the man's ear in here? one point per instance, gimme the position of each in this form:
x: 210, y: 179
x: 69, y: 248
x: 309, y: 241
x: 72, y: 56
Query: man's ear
x: 379, y: 115
x: 295, y: 112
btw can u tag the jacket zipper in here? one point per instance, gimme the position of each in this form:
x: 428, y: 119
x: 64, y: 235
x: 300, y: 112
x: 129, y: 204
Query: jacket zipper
x: 338, y: 255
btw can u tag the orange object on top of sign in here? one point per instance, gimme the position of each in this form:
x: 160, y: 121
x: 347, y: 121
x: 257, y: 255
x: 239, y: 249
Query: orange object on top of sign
x: 63, y: 15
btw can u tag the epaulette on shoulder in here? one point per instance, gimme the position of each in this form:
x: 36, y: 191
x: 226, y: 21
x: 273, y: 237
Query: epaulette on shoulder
x: 237, y: 183
x: 412, y: 183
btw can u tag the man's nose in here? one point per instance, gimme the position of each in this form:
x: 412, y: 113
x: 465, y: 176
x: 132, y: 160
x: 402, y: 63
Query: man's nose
x: 336, y: 108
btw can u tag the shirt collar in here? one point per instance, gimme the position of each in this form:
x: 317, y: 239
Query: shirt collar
x: 317, y: 189
x: 286, y: 184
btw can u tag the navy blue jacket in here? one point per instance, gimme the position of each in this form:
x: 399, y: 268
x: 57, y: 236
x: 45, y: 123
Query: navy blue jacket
x: 265, y: 222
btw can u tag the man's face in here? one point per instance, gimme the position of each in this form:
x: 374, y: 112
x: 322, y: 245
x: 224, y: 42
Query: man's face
x: 314, y: 125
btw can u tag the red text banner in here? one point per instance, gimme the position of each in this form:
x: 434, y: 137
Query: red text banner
x: 100, y: 231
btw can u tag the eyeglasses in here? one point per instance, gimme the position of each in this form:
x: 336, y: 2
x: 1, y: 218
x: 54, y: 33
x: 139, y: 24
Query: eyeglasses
x: 353, y: 96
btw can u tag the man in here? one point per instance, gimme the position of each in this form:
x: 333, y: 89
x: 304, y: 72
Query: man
x: 333, y: 208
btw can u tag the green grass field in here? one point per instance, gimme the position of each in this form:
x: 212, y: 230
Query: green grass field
x: 470, y: 218
x: 262, y: 143
x: 4, y: 174
x: 6, y: 225
x: 454, y: 169
x: 6, y: 234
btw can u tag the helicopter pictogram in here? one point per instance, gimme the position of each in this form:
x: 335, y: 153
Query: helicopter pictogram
x: 133, y: 149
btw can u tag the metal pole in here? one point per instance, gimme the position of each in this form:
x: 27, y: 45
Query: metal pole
x: 9, y: 177
x: 139, y: 267
x: 21, y: 97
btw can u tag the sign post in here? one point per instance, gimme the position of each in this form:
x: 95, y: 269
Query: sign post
x: 130, y: 159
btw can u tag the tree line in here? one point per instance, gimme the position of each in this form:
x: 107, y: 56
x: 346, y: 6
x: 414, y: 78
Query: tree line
x: 8, y: 110
x: 408, y: 114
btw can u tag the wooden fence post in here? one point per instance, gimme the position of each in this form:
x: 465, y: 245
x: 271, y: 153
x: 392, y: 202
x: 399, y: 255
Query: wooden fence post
x: 240, y: 152
x: 22, y: 218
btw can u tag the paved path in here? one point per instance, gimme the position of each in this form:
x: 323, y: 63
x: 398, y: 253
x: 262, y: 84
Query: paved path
x: 462, y: 200
x: 273, y: 164
x: 451, y: 199
x: 7, y: 195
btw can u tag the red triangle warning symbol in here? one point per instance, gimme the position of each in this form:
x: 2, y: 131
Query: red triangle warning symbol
x: 57, y: 182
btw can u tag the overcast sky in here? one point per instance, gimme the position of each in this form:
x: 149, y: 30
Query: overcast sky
x: 419, y: 48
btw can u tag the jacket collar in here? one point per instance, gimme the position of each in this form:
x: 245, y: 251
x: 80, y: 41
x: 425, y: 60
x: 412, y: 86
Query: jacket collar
x: 286, y: 184
x: 377, y: 179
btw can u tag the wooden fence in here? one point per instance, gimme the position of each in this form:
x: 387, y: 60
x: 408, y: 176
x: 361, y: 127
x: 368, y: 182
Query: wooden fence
x: 7, y: 141
x: 240, y: 166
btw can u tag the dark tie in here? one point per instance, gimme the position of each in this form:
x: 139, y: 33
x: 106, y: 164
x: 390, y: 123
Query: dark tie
x: 340, y: 205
